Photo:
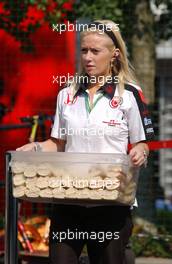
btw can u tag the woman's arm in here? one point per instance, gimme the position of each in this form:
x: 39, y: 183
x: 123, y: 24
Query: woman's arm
x: 139, y: 153
x: 51, y: 144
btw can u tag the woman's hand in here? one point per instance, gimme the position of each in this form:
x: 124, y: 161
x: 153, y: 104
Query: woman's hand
x: 27, y: 147
x: 139, y: 153
x: 50, y: 145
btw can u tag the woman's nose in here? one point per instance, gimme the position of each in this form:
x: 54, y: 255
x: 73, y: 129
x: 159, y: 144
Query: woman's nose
x: 88, y: 56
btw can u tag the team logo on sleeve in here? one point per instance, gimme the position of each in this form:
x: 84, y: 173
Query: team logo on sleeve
x: 142, y: 96
x: 147, y: 121
x: 116, y: 101
x: 70, y: 99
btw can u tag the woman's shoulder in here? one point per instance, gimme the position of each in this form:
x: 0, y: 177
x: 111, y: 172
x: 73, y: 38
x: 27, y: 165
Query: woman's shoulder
x: 132, y: 87
x: 135, y: 92
x: 65, y: 90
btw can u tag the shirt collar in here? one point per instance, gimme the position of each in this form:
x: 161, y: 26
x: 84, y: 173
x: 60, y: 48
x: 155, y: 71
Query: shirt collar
x: 108, y: 88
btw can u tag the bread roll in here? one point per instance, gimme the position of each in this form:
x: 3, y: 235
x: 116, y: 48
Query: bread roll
x: 110, y: 195
x: 42, y: 182
x: 80, y: 183
x: 84, y: 193
x: 54, y: 182
x: 18, y: 179
x: 30, y: 171
x: 126, y: 199
x: 47, y: 193
x: 70, y: 193
x: 19, y: 191
x: 122, y: 186
x: 131, y: 174
x: 115, y: 168
x: 130, y: 189
x: 31, y: 182
x: 44, y: 169
x: 67, y: 181
x: 94, y: 172
x: 94, y: 195
x: 112, y: 184
x: 32, y: 192
x: 116, y: 175
x: 58, y: 193
x: 75, y: 195
x: 18, y: 167
x: 96, y: 183
x: 58, y: 172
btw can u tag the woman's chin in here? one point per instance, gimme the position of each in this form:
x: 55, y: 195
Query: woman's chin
x: 92, y: 73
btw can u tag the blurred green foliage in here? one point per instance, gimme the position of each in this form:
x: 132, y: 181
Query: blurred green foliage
x: 149, y: 245
x: 124, y: 14
x: 164, y: 219
x: 15, y: 14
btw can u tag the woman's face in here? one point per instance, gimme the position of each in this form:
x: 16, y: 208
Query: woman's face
x: 96, y: 55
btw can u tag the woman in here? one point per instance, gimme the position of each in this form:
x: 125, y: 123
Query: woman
x: 97, y: 104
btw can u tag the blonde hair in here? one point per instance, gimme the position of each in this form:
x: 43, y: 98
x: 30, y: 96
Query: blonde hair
x: 121, y: 66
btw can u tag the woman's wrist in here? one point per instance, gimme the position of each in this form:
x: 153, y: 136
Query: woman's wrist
x: 37, y: 147
x: 144, y: 148
x: 145, y: 158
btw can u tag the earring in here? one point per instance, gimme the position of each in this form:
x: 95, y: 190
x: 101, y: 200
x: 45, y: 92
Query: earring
x: 111, y: 70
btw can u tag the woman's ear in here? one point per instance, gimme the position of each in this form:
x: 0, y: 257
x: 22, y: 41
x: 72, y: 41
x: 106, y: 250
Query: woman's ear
x: 116, y: 53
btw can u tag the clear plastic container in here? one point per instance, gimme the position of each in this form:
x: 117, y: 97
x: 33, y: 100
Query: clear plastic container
x: 63, y: 177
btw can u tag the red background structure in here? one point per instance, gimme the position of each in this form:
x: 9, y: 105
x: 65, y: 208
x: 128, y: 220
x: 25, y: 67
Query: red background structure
x: 27, y: 82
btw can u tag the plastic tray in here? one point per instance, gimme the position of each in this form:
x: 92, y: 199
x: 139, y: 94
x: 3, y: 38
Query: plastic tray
x: 63, y: 177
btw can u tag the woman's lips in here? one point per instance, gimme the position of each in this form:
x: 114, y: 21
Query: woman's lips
x: 89, y: 66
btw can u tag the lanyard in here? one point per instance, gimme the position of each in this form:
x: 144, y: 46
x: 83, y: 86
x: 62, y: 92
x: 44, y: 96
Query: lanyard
x: 87, y: 103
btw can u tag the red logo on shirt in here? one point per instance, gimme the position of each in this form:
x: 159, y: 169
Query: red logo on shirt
x: 116, y: 101
x: 70, y: 100
x: 112, y: 123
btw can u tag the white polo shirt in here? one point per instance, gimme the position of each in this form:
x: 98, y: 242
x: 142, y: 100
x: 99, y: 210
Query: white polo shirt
x: 112, y: 123
x: 109, y: 126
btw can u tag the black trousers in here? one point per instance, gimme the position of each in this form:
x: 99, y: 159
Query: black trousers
x: 104, y: 229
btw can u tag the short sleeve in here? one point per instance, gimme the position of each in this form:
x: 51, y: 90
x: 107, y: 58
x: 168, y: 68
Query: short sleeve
x: 139, y: 120
x: 58, y: 129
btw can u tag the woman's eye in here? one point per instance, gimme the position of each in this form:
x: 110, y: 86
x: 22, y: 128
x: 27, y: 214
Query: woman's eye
x: 95, y: 51
x: 83, y: 50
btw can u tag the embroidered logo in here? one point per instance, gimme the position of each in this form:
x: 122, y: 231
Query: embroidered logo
x: 112, y: 123
x: 116, y: 101
x: 109, y: 89
x: 70, y: 100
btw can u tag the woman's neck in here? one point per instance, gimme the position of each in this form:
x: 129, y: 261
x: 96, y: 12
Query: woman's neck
x: 93, y: 89
x: 98, y: 82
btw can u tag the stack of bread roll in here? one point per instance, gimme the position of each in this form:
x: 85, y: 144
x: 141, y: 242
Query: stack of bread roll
x: 128, y: 194
x: 52, y: 181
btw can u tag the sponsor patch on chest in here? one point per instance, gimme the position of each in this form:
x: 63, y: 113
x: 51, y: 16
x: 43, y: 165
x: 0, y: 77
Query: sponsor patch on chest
x: 112, y: 122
